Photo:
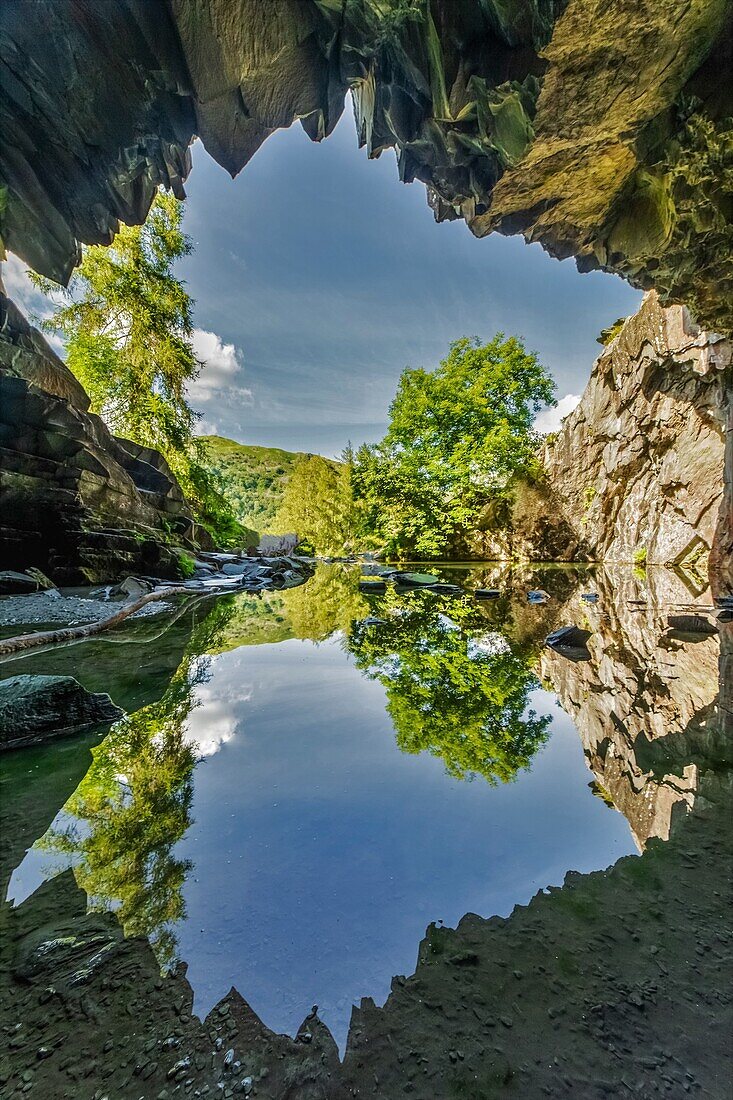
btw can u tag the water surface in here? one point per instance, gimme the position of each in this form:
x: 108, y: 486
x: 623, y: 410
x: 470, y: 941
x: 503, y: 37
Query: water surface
x: 317, y: 778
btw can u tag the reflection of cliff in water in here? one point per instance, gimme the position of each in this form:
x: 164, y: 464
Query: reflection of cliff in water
x: 645, y: 704
x: 615, y: 984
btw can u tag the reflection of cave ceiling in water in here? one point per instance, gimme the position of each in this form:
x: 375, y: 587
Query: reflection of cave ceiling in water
x: 596, y: 128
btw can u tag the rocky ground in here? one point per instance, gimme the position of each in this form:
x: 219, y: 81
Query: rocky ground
x: 226, y: 572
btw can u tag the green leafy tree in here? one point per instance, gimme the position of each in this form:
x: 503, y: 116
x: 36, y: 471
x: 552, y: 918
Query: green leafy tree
x: 457, y: 435
x: 127, y: 324
x: 317, y: 503
x: 454, y: 689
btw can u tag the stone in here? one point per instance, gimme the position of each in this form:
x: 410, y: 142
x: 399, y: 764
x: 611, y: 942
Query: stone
x: 571, y: 641
x: 42, y: 708
x: 372, y: 585
x: 13, y: 583
x: 416, y: 579
x: 131, y: 588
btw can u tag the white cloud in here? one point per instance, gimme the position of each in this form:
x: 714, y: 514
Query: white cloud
x: 551, y: 419
x: 220, y: 379
x: 36, y: 305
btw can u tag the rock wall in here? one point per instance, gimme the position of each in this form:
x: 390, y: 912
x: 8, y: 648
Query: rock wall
x: 75, y: 501
x: 599, y: 129
x: 637, y: 469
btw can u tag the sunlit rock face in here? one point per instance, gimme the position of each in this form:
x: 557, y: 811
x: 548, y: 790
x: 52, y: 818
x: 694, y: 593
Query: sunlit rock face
x: 646, y: 703
x: 637, y: 469
x: 598, y: 129
x: 74, y: 500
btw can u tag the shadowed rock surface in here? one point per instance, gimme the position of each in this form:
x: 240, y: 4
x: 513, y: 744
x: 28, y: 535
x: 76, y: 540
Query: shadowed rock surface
x: 75, y: 501
x: 36, y: 708
x: 598, y: 129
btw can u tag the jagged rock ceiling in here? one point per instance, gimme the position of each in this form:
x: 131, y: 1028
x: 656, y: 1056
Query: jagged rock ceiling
x: 601, y: 128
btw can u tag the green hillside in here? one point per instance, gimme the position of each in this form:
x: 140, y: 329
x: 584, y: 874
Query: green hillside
x: 253, y: 478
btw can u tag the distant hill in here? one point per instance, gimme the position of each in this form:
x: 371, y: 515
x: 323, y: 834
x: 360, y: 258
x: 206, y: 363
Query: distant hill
x: 253, y: 478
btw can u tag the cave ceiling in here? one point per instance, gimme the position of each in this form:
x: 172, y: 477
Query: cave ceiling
x: 603, y: 130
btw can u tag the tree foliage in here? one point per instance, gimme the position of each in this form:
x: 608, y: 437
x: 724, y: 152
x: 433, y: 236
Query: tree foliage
x: 126, y: 321
x: 457, y: 435
x: 317, y: 504
x: 454, y: 689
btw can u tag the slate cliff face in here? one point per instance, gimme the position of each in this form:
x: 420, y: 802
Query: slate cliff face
x: 75, y: 501
x: 600, y: 129
x: 642, y: 470
x: 638, y: 467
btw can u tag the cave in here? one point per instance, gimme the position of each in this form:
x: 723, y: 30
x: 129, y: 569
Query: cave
x: 604, y: 132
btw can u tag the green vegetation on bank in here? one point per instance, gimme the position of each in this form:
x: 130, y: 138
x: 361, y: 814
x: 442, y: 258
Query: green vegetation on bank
x: 253, y: 479
x: 458, y: 439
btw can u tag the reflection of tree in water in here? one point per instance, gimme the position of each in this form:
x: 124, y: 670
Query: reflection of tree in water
x: 330, y: 601
x: 452, y: 688
x: 134, y: 804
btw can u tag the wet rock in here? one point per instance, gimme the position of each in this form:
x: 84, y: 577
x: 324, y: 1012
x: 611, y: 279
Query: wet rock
x: 417, y: 580
x: 40, y: 708
x: 372, y: 585
x: 131, y: 588
x: 571, y: 641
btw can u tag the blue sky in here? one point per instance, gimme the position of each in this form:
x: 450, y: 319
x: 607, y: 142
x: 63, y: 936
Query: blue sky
x: 318, y: 277
x: 328, y: 276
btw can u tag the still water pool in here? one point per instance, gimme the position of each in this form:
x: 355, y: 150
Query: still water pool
x: 314, y: 777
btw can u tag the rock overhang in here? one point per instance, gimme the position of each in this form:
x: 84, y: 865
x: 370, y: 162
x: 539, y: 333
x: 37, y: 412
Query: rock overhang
x: 603, y: 131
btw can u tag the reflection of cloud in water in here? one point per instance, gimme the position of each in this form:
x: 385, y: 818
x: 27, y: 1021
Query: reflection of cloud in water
x: 214, y: 719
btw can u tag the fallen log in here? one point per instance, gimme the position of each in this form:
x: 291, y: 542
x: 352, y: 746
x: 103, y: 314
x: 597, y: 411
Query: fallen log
x: 22, y: 642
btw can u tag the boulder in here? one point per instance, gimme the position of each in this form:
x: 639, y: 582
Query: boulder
x: 132, y: 588
x: 570, y: 641
x: 416, y: 579
x: 42, y: 708
x: 372, y: 584
x: 17, y: 584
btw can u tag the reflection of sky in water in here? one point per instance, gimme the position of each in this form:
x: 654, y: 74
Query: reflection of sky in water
x: 321, y: 852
